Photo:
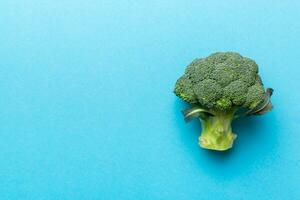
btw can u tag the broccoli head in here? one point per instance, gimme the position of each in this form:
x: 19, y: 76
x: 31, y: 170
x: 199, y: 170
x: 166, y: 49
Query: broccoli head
x: 220, y: 88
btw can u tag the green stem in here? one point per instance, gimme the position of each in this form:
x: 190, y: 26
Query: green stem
x: 216, y: 132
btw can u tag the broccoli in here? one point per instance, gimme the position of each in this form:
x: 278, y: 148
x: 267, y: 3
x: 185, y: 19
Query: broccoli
x: 221, y: 88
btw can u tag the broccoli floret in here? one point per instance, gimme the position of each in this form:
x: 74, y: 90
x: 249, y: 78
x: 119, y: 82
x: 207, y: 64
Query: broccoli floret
x: 208, y: 92
x: 255, y: 94
x: 236, y: 91
x: 219, y: 86
x: 184, y: 89
x: 223, y: 104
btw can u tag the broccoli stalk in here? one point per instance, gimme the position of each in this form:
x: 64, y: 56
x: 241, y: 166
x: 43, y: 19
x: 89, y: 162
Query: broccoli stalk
x: 216, y: 132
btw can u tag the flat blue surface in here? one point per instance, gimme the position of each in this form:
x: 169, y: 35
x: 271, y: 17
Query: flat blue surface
x: 87, y: 109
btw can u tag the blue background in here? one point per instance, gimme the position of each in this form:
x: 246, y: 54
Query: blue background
x: 87, y: 109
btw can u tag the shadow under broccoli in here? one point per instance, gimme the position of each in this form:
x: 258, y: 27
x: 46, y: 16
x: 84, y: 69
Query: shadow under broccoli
x: 220, y: 88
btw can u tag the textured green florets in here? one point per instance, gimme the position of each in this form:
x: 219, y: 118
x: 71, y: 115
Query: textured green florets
x: 223, y: 104
x: 236, y: 91
x: 255, y: 94
x: 221, y: 82
x: 184, y: 89
x: 203, y: 92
